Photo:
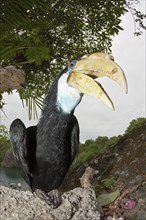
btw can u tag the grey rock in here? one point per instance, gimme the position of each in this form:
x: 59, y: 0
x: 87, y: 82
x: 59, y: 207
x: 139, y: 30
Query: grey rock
x: 77, y: 204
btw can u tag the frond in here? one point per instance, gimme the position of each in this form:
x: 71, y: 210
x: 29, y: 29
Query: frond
x: 33, y: 104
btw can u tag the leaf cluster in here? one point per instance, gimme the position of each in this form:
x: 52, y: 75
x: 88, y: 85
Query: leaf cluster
x: 135, y: 123
x: 42, y: 35
x: 93, y: 147
x: 4, y: 142
x: 3, y: 133
x: 108, y: 182
x: 139, y: 18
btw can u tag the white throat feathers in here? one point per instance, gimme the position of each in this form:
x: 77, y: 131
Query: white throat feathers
x: 67, y: 97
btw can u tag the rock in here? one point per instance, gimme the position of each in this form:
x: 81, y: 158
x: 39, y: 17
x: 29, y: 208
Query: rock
x: 13, y: 185
x: 77, y: 204
x: 11, y: 78
x: 87, y: 177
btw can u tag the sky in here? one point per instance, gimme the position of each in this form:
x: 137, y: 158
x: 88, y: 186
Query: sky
x: 95, y: 119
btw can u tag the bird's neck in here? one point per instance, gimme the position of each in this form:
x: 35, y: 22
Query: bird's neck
x: 67, y: 97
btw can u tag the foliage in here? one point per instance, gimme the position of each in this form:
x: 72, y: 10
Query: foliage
x: 32, y: 103
x: 92, y: 147
x: 107, y: 198
x: 3, y: 149
x: 4, y: 142
x: 41, y: 36
x: 108, y: 182
x: 3, y: 133
x: 138, y: 17
x: 135, y: 123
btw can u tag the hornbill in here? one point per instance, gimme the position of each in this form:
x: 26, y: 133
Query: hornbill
x: 45, y: 152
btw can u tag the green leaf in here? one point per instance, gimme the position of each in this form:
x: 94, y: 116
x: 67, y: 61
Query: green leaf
x: 105, y: 199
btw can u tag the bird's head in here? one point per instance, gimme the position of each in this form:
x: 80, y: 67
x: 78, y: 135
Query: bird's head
x: 79, y: 76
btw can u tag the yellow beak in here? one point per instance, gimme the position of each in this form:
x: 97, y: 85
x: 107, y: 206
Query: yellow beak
x: 93, y: 66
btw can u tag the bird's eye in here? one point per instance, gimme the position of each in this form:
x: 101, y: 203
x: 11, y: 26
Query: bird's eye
x: 71, y: 64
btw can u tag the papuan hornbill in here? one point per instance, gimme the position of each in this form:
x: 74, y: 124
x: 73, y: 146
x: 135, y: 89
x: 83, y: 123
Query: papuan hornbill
x: 45, y: 152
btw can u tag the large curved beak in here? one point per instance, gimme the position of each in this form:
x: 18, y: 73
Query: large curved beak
x: 93, y: 66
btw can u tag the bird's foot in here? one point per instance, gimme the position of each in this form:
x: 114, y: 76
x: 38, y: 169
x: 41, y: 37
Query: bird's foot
x: 52, y: 198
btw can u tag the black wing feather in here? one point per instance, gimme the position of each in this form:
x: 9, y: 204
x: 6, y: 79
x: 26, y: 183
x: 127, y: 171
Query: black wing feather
x: 74, y: 137
x: 19, y: 142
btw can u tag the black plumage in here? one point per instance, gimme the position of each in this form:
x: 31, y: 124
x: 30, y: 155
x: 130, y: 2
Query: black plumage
x: 45, y: 152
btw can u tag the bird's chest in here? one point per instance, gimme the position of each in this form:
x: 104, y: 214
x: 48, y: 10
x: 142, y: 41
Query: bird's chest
x: 53, y: 142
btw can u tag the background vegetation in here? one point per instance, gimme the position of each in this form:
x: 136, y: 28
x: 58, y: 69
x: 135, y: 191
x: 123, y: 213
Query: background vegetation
x: 102, y: 143
x: 4, y: 142
x: 41, y: 36
x: 87, y: 150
